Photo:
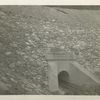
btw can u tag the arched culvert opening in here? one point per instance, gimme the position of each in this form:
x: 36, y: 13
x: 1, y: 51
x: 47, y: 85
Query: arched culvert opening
x: 63, y: 77
x: 66, y: 86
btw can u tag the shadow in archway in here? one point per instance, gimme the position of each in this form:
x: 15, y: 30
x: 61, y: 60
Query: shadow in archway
x: 68, y: 87
x: 63, y: 77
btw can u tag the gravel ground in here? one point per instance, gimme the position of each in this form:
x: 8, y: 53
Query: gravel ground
x: 26, y: 32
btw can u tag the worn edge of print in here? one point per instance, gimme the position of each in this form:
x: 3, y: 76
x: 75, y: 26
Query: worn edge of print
x: 46, y: 97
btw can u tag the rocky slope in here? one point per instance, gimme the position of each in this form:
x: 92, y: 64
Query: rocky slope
x: 26, y: 32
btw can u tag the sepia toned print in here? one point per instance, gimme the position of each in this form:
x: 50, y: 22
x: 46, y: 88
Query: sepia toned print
x: 49, y: 50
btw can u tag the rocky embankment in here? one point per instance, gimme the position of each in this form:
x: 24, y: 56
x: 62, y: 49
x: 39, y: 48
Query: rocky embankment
x: 26, y: 32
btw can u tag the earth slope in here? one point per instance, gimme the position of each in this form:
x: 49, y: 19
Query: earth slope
x: 27, y: 32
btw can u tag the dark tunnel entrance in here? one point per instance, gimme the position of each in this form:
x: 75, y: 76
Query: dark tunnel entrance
x: 68, y: 87
x: 63, y: 77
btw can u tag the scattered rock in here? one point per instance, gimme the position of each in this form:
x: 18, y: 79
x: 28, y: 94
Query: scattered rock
x: 8, y: 53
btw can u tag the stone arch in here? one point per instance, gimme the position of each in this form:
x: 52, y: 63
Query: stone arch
x: 56, y: 69
x: 58, y: 62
